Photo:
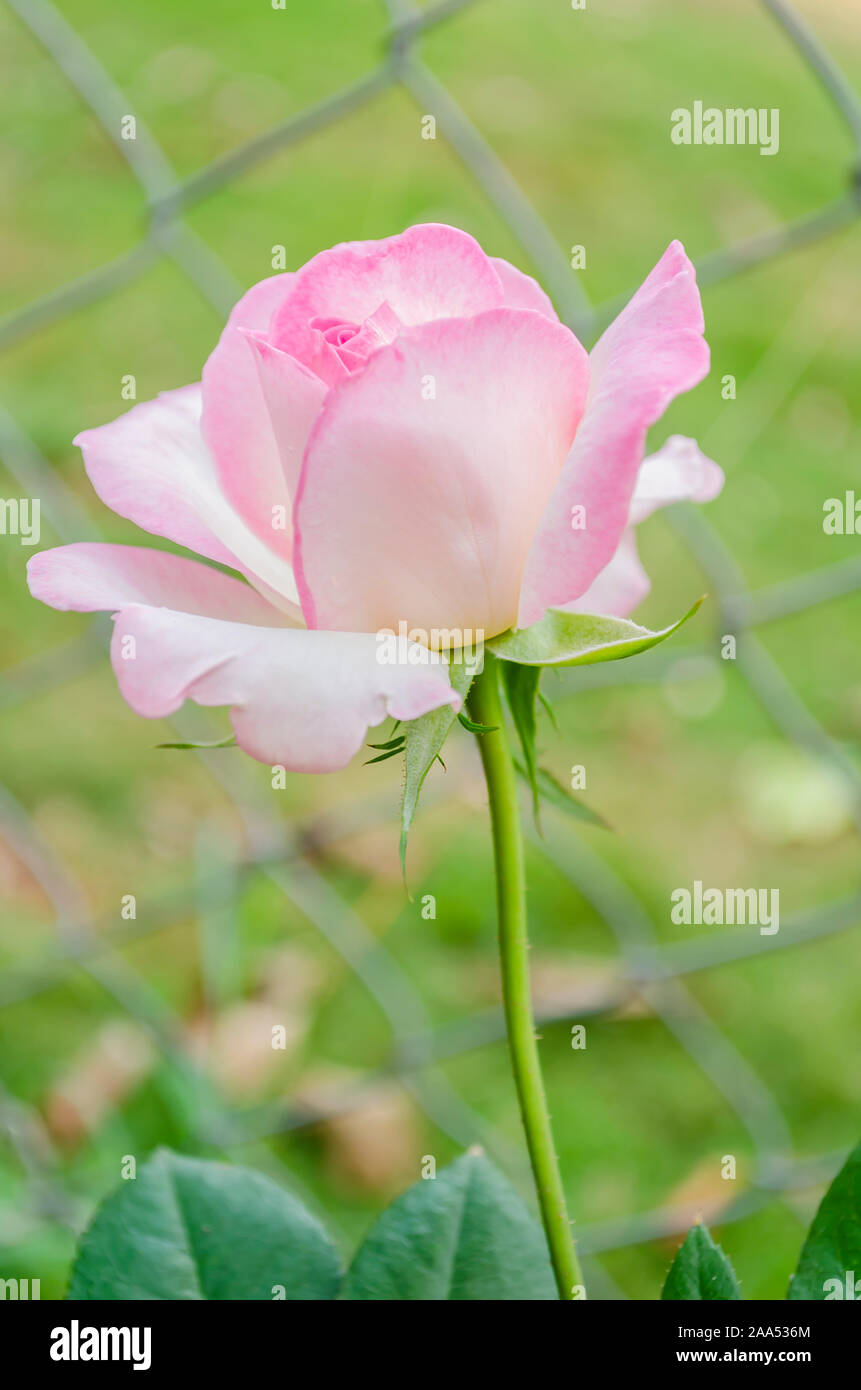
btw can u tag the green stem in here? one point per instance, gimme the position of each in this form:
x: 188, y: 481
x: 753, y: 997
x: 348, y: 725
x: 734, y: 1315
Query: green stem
x: 485, y: 708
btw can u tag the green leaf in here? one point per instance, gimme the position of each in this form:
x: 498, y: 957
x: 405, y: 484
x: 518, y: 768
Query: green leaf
x: 701, y: 1271
x: 228, y: 742
x: 464, y: 1235
x: 189, y: 1228
x: 578, y: 639
x: 832, y: 1249
x: 424, y: 739
x: 521, y: 690
x: 555, y: 794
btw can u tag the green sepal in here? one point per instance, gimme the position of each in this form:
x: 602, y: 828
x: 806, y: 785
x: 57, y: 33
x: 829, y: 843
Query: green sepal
x: 423, y: 741
x: 383, y: 757
x: 551, y: 790
x: 228, y: 741
x: 579, y: 639
x: 521, y: 690
x: 473, y: 728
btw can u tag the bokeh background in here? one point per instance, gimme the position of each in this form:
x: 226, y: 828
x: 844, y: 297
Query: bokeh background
x: 257, y: 906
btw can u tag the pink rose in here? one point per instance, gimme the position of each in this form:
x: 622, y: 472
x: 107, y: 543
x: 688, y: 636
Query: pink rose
x: 400, y: 432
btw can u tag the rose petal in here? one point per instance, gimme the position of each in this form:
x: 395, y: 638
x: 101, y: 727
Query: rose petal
x: 152, y: 466
x: 90, y: 577
x: 619, y: 588
x: 652, y: 351
x: 300, y: 699
x: 294, y: 398
x: 678, y: 472
x: 427, y: 272
x: 236, y: 424
x: 521, y: 291
x: 426, y: 474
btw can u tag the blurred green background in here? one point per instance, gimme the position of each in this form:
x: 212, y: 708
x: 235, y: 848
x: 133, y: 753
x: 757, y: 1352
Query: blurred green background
x: 159, y: 1032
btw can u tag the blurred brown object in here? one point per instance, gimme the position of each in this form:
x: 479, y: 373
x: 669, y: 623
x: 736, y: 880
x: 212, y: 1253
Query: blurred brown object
x: 236, y: 1045
x: 566, y: 985
x: 373, y: 851
x: 376, y: 1145
x: 97, y: 1080
x: 702, y: 1195
x: 246, y: 1044
x: 17, y: 884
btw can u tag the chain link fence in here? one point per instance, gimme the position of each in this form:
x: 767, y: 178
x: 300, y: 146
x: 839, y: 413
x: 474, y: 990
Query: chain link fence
x: 649, y: 971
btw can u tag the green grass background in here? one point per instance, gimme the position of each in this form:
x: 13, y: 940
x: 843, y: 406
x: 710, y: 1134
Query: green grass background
x: 692, y: 773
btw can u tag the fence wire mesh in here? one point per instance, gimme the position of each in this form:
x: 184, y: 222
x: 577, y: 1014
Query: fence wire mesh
x: 648, y: 970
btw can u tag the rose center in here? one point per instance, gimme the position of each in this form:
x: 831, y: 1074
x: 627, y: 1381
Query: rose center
x: 353, y: 343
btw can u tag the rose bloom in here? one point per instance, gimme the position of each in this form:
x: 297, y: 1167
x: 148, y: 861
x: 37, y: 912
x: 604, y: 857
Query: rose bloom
x: 400, y: 432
